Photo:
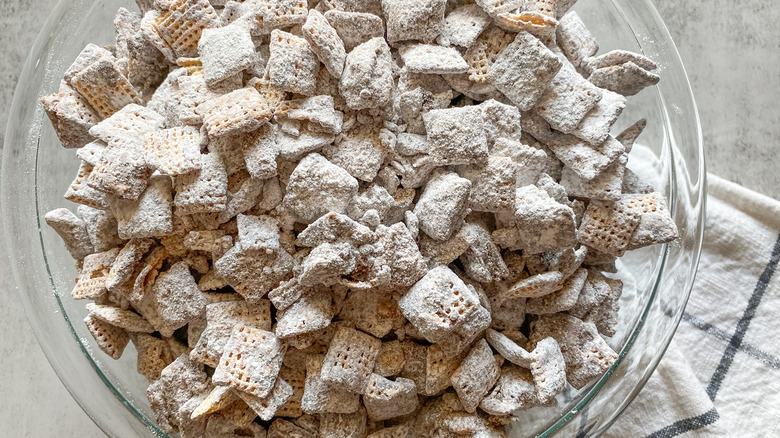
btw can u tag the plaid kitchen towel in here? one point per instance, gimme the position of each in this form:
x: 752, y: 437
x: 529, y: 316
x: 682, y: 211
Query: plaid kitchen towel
x: 721, y: 374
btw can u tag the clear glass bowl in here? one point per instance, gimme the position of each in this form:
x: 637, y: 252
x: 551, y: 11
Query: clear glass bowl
x: 36, y: 171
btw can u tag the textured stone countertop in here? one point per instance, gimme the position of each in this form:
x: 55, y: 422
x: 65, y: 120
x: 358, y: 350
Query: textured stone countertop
x: 733, y: 59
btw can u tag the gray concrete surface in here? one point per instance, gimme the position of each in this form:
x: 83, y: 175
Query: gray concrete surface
x: 733, y: 58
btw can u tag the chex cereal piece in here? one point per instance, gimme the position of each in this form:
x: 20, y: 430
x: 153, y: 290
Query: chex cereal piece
x: 335, y: 227
x: 390, y: 360
x: 401, y: 258
x: 251, y: 361
x: 260, y: 153
x: 495, y: 7
x: 282, y: 429
x: 629, y: 136
x: 355, y: 28
x: 128, y: 126
x: 287, y: 293
x: 225, y: 51
x: 415, y: 363
x: 111, y: 339
x: 203, y: 191
x: 438, y: 370
x: 482, y: 260
x: 312, y: 312
x: 193, y: 91
x: 91, y: 282
x: 444, y: 310
x: 492, y: 185
x: 514, y: 391
x: 484, y: 52
x: 535, y: 210
x: 587, y: 355
x: 632, y: 183
x: 413, y: 20
x: 243, y: 110
x: 150, y: 215
x: 70, y: 115
x: 411, y: 144
x: 293, y: 66
x: 104, y: 86
x: 126, y: 261
x: 350, y: 359
x: 507, y: 313
x: 594, y: 128
x: 575, y: 39
x: 508, y: 349
x: 239, y: 266
x: 176, y: 298
x: 371, y: 311
x: 432, y: 59
x: 399, y: 431
x: 182, y: 25
x: 145, y: 64
x: 203, y: 240
x: 656, y: 224
x: 456, y: 136
x: 325, y: 42
x: 320, y: 396
x: 122, y: 172
x: 443, y: 205
x: 221, y: 317
x: 358, y: 151
x: 101, y: 227
x: 385, y: 399
x: 124, y: 319
x: 537, y: 24
x: 606, y: 186
x: 296, y: 380
x: 148, y: 28
x: 266, y: 407
x: 88, y: 56
x: 174, y: 151
x: 502, y: 123
x: 327, y: 263
x: 586, y: 160
x: 608, y: 227
x: 73, y: 231
x: 279, y: 14
x: 476, y: 376
x: 343, y: 425
x: 559, y: 301
x: 627, y: 79
x: 535, y: 286
x: 80, y: 192
x: 568, y: 99
x: 524, y: 70
x: 548, y: 369
x: 605, y: 315
x: 317, y: 187
x: 219, y: 398
x: 618, y: 57
x: 562, y: 7
x: 154, y: 355
x: 318, y: 110
x: 179, y: 382
x: 463, y: 25
x: 367, y: 80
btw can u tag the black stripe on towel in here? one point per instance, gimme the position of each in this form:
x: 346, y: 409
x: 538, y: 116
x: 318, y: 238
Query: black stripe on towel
x: 744, y: 323
x: 686, y: 425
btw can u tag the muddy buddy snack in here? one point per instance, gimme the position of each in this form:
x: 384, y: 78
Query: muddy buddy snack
x: 353, y: 218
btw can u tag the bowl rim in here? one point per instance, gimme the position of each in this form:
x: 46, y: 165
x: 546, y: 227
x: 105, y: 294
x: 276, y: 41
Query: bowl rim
x: 6, y: 195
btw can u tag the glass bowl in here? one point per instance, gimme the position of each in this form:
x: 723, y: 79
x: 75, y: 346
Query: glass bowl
x: 36, y: 171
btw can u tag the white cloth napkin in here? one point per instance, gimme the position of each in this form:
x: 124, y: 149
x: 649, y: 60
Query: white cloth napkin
x: 721, y: 374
